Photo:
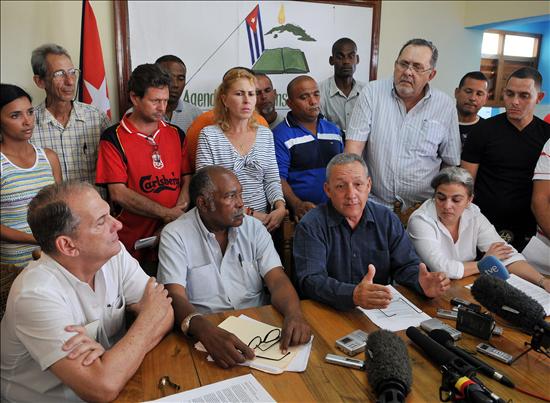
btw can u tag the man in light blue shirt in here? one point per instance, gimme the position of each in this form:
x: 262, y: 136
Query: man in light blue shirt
x: 215, y: 258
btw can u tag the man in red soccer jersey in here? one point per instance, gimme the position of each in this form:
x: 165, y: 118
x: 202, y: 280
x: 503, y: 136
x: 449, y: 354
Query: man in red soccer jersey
x: 140, y: 163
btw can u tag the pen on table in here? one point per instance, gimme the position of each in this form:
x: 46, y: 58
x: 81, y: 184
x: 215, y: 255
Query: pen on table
x: 241, y: 260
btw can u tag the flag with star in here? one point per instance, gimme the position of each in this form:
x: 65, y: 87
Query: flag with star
x: 255, y: 33
x: 93, y: 82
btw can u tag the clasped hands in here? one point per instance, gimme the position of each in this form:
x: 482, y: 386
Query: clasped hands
x: 368, y: 295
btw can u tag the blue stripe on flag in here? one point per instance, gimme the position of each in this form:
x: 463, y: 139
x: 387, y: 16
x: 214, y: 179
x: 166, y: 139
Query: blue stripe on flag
x: 257, y: 44
x: 252, y: 58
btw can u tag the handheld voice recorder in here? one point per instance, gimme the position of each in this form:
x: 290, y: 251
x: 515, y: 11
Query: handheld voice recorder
x: 353, y: 343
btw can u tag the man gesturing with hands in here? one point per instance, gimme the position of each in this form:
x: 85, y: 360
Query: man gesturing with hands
x: 348, y: 250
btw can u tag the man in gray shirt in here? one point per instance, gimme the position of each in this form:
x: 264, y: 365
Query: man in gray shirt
x: 215, y: 258
x: 405, y: 129
x: 340, y: 92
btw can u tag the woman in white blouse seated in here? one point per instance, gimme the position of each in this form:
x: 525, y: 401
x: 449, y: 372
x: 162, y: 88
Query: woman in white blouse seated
x: 447, y: 229
x: 238, y: 143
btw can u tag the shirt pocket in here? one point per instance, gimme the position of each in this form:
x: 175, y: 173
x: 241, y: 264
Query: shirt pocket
x: 429, y: 134
x: 252, y: 280
x: 202, y: 282
x: 113, y: 317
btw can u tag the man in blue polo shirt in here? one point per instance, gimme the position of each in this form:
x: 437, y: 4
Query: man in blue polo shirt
x: 304, y: 144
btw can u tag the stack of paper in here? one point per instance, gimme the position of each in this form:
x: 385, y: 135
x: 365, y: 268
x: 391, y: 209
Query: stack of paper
x: 246, y: 328
x: 240, y: 389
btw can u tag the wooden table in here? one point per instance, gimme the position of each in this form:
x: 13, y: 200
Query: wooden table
x: 176, y: 357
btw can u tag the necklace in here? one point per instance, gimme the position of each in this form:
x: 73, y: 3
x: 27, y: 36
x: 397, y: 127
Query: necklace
x: 155, y: 154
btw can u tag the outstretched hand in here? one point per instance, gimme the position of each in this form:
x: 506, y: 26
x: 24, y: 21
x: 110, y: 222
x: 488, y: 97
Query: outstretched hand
x: 369, y: 295
x: 433, y: 284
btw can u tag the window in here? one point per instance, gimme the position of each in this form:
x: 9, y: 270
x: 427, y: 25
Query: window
x: 502, y: 53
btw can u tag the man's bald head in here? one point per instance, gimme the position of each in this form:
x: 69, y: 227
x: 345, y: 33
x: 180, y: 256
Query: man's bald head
x: 294, y: 82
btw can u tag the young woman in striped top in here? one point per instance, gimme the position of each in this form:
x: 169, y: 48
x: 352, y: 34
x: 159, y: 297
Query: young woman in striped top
x: 25, y: 169
x: 238, y: 143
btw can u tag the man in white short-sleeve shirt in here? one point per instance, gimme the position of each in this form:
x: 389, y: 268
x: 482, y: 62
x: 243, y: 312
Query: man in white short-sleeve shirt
x: 85, y: 279
x: 216, y: 258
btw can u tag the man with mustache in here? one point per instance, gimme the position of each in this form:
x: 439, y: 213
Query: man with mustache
x: 216, y: 258
x: 68, y: 127
x: 471, y: 96
x: 340, y: 92
x: 304, y: 144
x: 266, y: 96
x: 140, y: 163
x: 501, y: 155
x: 405, y: 129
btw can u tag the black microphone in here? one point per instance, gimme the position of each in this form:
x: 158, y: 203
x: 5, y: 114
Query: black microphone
x: 463, y: 373
x: 388, y: 366
x: 511, y: 304
x: 445, y: 339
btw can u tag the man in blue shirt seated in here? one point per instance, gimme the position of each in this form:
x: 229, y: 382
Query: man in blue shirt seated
x: 347, y: 250
x: 304, y: 144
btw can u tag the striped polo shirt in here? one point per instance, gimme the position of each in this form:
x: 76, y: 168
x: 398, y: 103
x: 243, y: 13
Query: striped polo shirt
x: 303, y: 156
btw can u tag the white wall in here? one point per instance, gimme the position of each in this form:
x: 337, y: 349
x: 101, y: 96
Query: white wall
x: 26, y: 25
x: 442, y: 22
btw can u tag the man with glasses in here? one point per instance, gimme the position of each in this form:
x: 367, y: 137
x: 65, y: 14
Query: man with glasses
x: 216, y: 258
x: 72, y: 129
x: 405, y: 129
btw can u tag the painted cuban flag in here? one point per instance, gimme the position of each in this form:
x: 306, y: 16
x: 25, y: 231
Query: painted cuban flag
x: 255, y: 33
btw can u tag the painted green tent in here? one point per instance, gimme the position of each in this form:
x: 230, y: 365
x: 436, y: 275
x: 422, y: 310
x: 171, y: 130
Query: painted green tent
x: 281, y: 61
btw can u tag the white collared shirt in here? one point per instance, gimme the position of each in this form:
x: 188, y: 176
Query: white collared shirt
x: 435, y: 246
x: 43, y: 300
x: 191, y: 256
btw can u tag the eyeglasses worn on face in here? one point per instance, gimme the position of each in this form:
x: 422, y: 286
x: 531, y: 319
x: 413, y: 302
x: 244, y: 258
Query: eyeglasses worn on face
x: 265, y: 343
x: 404, y: 66
x: 62, y: 74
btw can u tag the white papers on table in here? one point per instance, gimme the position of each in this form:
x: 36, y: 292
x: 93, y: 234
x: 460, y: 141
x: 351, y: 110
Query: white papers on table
x: 245, y: 328
x: 240, y: 389
x: 399, y: 315
x: 534, y: 291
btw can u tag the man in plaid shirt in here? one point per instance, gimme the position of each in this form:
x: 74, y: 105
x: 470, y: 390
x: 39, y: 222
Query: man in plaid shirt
x: 72, y: 129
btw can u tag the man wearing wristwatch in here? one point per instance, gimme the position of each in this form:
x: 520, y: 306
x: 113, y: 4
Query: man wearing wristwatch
x: 216, y: 258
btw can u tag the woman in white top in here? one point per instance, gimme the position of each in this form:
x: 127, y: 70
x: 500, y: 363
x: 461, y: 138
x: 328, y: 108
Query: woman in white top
x: 238, y: 143
x: 448, y: 229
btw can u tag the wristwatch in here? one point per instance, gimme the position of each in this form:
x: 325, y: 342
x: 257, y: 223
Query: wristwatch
x: 186, y: 322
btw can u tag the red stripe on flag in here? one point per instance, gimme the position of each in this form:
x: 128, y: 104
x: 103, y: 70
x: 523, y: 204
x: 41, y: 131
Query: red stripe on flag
x: 252, y: 19
x: 92, y: 66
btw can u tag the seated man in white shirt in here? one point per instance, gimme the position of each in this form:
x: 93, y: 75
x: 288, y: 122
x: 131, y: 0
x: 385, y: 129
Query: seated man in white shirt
x: 85, y: 277
x: 214, y: 258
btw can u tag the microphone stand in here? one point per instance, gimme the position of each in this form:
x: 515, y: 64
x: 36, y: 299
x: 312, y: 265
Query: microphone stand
x: 540, y: 342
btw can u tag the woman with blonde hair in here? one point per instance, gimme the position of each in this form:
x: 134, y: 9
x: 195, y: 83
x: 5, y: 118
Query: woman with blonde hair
x: 448, y: 229
x: 238, y: 143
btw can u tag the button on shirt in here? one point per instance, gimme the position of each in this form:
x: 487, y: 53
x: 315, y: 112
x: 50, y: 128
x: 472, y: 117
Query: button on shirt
x: 336, y: 106
x: 191, y: 256
x: 43, y: 300
x: 404, y: 150
x: 75, y: 144
x: 331, y: 258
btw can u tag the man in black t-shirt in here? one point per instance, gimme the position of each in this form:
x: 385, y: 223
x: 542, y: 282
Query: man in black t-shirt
x: 501, y: 155
x: 471, y: 96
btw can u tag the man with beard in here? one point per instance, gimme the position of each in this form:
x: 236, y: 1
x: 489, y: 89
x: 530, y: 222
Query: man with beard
x: 178, y: 112
x: 340, y: 92
x: 216, y: 258
x: 471, y: 96
x: 265, y: 100
x: 405, y: 129
x: 140, y: 163
x: 304, y: 144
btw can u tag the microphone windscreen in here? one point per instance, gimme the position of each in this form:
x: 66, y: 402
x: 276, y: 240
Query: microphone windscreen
x: 493, y: 266
x: 498, y: 297
x: 387, y: 361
